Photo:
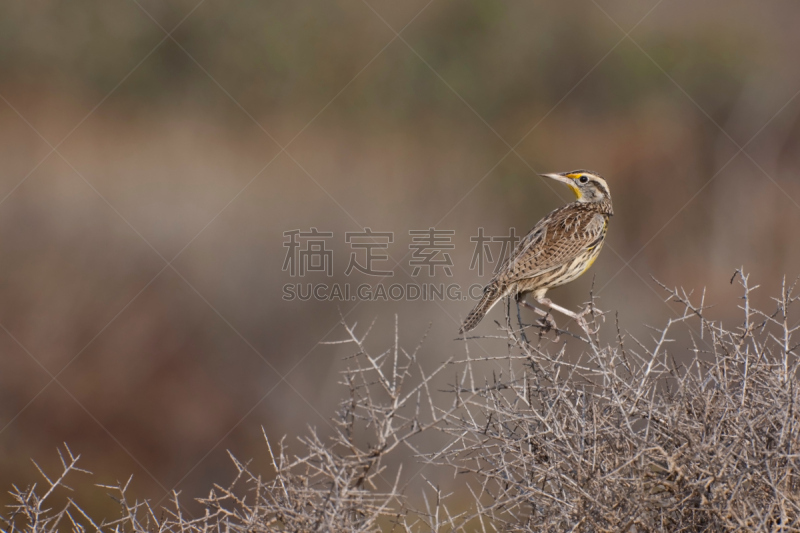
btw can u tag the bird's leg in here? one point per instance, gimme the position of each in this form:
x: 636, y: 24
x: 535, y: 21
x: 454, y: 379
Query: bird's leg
x: 547, y: 319
x: 519, y: 320
x: 577, y: 317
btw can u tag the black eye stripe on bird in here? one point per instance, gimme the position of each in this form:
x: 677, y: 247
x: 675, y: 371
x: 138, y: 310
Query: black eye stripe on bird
x: 603, y: 188
x: 559, y: 248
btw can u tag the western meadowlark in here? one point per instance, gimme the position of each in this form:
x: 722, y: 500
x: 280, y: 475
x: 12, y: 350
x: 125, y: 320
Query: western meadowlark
x: 559, y: 248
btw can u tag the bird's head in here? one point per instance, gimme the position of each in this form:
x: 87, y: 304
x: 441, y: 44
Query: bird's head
x: 588, y: 186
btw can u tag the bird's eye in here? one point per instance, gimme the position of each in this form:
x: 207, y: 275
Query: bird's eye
x: 583, y: 179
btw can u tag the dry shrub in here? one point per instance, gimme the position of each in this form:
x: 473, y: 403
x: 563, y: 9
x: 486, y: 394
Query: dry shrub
x: 627, y: 439
x: 609, y: 437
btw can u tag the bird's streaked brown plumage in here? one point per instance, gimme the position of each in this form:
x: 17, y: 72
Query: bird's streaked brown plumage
x: 559, y: 248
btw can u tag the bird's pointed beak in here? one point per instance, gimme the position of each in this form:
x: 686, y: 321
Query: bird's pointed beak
x: 558, y: 177
x: 569, y: 182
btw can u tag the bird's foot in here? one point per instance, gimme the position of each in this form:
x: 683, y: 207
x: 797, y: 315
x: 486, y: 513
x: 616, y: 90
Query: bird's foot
x: 577, y: 317
x: 590, y: 310
x: 547, y: 322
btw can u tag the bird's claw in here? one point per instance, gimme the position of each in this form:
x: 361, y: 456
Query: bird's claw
x: 583, y: 323
x: 548, y: 323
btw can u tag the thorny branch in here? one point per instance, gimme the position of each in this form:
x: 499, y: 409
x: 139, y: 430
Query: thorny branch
x: 674, y: 433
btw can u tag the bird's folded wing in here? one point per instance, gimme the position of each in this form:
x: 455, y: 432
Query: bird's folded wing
x: 555, y: 240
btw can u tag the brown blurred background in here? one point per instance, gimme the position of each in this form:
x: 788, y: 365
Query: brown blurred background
x: 169, y: 149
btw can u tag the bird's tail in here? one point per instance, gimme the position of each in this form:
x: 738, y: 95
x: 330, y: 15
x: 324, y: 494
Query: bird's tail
x: 491, y: 295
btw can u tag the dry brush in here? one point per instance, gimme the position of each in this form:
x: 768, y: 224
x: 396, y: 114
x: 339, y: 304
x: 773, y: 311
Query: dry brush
x: 573, y: 436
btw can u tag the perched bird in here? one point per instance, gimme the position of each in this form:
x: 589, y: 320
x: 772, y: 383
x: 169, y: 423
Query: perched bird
x: 559, y: 248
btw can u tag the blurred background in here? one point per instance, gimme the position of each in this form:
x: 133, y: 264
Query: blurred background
x: 154, y: 153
